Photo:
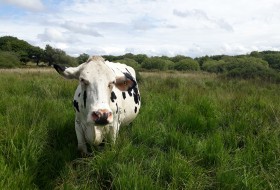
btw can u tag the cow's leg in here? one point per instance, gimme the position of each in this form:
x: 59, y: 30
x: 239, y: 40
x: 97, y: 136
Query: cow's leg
x: 82, y: 147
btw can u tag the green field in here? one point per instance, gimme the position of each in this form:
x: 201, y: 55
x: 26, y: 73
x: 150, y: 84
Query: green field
x: 194, y: 131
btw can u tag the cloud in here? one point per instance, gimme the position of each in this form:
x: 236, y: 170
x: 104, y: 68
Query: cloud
x: 55, y: 35
x: 145, y: 23
x: 109, y: 25
x: 223, y: 24
x: 155, y: 27
x: 32, y: 5
x: 80, y: 28
x: 201, y: 15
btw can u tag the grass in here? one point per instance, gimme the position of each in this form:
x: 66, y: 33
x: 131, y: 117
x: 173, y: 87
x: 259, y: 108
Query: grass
x: 194, y: 131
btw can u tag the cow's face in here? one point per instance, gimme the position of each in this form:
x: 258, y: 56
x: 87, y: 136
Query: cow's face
x: 97, y: 81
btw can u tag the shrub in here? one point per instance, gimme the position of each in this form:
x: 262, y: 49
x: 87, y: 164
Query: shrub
x: 233, y: 62
x: 156, y: 63
x: 242, y: 67
x: 9, y: 60
x: 187, y: 65
x: 273, y: 61
x: 250, y: 68
x: 132, y: 63
x: 214, y: 66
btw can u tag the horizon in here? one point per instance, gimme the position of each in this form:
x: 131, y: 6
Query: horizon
x: 245, y: 54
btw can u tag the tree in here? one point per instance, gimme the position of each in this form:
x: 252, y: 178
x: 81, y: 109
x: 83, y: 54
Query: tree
x: 9, y: 59
x: 128, y: 55
x: 255, y: 54
x: 214, y: 66
x: 52, y: 56
x: 202, y: 60
x: 218, y: 57
x: 187, y: 64
x: 178, y: 58
x: 49, y: 55
x: 273, y: 60
x: 156, y: 63
x: 140, y: 58
x: 20, y: 47
x: 111, y: 57
x: 36, y: 54
x: 130, y: 62
x: 82, y: 58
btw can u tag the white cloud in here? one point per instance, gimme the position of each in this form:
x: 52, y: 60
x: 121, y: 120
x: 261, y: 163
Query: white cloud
x: 200, y: 15
x: 80, y: 28
x: 55, y: 35
x: 33, y: 5
x: 190, y: 27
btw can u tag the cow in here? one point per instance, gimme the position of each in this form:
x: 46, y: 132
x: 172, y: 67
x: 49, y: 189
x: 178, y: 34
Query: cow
x: 106, y: 98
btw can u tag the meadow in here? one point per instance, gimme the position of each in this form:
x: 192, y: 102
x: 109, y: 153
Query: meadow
x: 194, y: 131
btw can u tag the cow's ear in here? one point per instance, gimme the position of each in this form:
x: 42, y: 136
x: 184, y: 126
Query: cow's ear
x: 125, y: 82
x: 68, y: 72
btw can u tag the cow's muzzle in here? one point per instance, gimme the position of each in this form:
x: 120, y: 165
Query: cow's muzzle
x: 102, y: 117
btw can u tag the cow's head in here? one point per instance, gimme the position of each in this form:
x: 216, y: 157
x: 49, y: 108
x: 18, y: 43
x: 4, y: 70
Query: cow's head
x: 97, y: 81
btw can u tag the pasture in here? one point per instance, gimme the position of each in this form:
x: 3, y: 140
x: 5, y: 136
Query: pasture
x: 194, y: 131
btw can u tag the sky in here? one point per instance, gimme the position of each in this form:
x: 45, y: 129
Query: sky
x: 154, y: 27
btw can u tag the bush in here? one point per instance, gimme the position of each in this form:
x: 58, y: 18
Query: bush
x: 273, y: 60
x: 9, y: 60
x: 233, y: 62
x: 187, y: 65
x: 253, y: 71
x: 242, y: 67
x: 132, y: 63
x: 214, y: 66
x: 156, y: 63
x: 67, y: 60
x: 250, y: 68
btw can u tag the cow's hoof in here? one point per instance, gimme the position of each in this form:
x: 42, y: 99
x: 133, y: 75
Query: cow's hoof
x: 85, y: 154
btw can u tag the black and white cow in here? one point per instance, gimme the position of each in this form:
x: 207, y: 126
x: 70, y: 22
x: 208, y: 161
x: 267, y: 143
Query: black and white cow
x: 106, y: 98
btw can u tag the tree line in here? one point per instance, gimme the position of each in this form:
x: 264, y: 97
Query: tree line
x: 266, y: 64
x: 15, y: 52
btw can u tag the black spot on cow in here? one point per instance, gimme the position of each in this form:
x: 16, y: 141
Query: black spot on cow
x: 123, y: 95
x: 127, y: 70
x: 135, y: 109
x: 113, y: 96
x: 79, y: 94
x: 85, y: 98
x: 76, y: 105
x: 136, y: 95
x: 117, y: 108
x: 130, y: 77
x: 130, y: 92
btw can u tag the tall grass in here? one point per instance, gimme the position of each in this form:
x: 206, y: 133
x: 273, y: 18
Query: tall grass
x: 193, y: 132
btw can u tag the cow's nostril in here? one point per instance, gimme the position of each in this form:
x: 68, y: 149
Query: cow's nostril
x: 96, y: 115
x: 101, y: 117
x: 109, y: 114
